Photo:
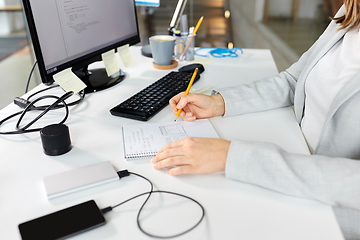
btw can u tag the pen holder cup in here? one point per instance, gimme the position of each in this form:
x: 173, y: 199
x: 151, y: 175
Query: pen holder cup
x: 189, y: 43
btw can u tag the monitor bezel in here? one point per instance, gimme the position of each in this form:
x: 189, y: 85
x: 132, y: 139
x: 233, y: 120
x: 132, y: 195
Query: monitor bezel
x: 75, y: 64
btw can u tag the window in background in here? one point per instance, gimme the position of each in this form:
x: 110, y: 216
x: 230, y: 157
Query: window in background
x: 12, y: 28
x: 215, y: 30
x: 299, y: 23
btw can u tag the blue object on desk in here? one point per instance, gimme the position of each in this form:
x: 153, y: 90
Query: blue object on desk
x: 219, y: 52
x: 148, y: 3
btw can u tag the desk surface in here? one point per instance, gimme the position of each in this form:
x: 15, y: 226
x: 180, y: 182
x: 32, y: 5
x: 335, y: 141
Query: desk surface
x: 234, y: 209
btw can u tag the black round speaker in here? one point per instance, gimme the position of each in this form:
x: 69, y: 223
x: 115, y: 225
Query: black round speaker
x: 55, y: 139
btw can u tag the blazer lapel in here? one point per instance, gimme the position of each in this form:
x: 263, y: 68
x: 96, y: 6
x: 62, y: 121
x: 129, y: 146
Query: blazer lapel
x: 324, y: 44
x: 345, y: 93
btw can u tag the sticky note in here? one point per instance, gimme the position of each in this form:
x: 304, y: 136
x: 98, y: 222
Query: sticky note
x: 125, y: 55
x: 111, y: 64
x: 69, y: 81
x: 202, y: 61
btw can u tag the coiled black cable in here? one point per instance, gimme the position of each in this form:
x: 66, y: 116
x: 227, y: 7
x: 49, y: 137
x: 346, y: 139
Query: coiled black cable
x: 59, y: 103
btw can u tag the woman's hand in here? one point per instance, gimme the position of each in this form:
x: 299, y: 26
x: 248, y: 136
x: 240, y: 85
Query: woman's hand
x: 197, y: 106
x: 193, y: 156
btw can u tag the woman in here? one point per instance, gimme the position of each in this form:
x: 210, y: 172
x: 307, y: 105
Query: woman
x: 324, y: 87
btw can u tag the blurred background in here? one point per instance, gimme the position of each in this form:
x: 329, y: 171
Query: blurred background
x: 286, y: 27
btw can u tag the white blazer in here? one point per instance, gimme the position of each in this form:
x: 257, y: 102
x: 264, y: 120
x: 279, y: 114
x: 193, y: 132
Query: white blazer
x: 332, y: 174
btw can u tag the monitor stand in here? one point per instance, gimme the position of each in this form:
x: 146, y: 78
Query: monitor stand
x: 97, y: 79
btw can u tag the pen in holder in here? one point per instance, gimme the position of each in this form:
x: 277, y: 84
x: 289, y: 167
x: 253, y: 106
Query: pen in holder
x: 188, y: 41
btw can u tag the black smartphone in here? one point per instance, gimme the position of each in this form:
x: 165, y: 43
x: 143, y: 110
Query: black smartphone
x: 64, y: 223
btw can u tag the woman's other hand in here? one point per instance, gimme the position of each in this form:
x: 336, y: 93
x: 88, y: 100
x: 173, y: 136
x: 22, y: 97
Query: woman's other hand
x: 193, y: 156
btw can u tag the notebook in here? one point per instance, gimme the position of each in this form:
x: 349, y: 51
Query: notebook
x: 145, y: 140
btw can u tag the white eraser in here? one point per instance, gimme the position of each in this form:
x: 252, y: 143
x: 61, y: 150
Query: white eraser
x: 79, y: 179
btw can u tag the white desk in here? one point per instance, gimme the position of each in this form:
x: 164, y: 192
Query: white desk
x: 234, y: 210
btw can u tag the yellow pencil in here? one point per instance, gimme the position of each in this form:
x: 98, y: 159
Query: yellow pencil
x: 193, y: 34
x: 187, y: 91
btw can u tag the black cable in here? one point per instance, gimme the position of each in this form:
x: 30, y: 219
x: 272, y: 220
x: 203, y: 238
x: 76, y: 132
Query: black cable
x: 28, y: 81
x: 29, y: 106
x: 52, y: 106
x: 8, y: 118
x: 42, y: 90
x: 105, y: 210
x: 81, y: 95
x: 59, y: 103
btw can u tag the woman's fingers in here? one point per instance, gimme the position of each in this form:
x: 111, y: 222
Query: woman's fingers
x: 175, y: 144
x: 182, y: 169
x: 170, y: 162
x: 189, y: 116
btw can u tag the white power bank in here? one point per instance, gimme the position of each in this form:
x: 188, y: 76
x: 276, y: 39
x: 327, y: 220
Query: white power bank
x: 79, y: 179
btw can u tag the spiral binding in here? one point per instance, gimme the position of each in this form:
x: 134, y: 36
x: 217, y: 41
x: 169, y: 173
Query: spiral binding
x: 140, y: 155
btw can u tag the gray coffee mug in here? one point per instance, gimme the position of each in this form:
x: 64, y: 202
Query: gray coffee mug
x: 162, y: 49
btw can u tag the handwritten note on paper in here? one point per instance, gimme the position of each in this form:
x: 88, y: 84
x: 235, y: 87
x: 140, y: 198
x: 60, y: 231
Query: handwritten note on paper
x: 69, y: 81
x: 145, y: 140
x: 111, y: 64
x: 125, y: 55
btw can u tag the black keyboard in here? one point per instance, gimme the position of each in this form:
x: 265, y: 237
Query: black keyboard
x: 149, y: 101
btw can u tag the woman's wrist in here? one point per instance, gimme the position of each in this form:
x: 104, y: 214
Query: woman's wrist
x: 219, y: 105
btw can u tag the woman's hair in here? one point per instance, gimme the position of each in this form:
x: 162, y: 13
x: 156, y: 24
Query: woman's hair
x: 351, y: 19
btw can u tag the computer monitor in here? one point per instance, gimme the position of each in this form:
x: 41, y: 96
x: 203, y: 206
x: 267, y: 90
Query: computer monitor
x: 74, y: 33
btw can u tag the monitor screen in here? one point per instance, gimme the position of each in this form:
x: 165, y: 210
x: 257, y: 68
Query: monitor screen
x: 74, y: 33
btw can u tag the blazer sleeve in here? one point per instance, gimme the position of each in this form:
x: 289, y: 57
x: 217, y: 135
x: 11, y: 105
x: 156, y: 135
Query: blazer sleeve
x: 265, y: 94
x: 333, y: 181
